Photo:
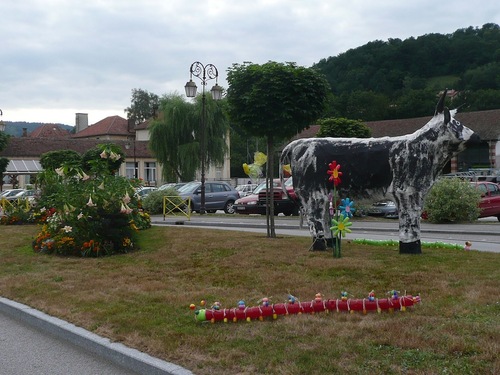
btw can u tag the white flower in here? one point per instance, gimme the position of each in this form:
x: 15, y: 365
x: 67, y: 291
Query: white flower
x: 67, y: 229
x: 85, y: 176
x: 126, y: 198
x: 114, y: 156
x: 103, y: 155
x: 101, y: 186
x: 125, y: 209
x: 80, y: 215
x: 60, y: 171
x: 90, y: 203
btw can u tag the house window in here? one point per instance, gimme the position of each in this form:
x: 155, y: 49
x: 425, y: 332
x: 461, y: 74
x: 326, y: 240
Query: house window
x: 150, y: 173
x: 130, y: 171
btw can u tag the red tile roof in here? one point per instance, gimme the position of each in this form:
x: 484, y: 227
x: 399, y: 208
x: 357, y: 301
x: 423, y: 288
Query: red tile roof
x: 112, y: 125
x: 49, y: 131
x: 27, y: 147
x: 485, y: 123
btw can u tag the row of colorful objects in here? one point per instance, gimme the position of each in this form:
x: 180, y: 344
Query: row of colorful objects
x: 293, y: 306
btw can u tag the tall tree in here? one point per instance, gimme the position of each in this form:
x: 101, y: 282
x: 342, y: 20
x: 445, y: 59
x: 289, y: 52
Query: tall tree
x: 275, y: 101
x: 176, y: 134
x: 4, y: 162
x: 143, y: 105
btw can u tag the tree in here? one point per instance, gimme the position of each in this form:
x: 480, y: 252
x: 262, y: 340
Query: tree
x: 143, y: 107
x: 275, y: 101
x: 343, y: 128
x: 54, y: 159
x: 175, y: 136
x: 4, y: 162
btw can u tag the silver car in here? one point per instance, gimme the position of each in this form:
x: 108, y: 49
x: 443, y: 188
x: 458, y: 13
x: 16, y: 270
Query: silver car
x: 219, y: 195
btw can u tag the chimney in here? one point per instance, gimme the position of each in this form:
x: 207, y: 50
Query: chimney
x: 25, y: 132
x: 81, y: 122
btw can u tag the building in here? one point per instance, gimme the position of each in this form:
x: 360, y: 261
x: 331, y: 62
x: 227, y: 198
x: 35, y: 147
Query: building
x: 24, y: 152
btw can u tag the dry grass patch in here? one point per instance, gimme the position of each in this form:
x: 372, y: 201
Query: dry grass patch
x: 142, y: 299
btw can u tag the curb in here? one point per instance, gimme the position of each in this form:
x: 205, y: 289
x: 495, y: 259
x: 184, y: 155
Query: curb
x: 297, y: 227
x: 117, y: 353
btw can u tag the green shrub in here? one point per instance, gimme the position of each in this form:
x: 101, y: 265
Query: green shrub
x: 452, y: 200
x: 153, y: 203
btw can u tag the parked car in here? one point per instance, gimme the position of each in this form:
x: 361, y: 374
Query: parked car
x: 13, y: 194
x: 143, y: 191
x: 385, y: 208
x: 245, y: 190
x: 219, y: 195
x: 490, y: 198
x: 255, y: 203
x: 175, y: 185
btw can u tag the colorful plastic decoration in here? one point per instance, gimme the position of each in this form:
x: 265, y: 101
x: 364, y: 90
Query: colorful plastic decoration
x: 318, y: 304
x: 339, y: 216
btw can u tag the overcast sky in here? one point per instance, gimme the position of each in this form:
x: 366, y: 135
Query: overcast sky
x: 60, y: 57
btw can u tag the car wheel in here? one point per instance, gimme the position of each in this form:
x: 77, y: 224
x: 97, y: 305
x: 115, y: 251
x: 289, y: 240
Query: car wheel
x: 229, y: 207
x: 498, y: 217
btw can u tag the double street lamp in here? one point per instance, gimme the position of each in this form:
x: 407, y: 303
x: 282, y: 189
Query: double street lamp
x: 204, y: 73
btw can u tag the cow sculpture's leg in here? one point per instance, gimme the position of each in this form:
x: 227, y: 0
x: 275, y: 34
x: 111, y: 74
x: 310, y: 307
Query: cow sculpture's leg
x: 315, y: 210
x: 409, y: 222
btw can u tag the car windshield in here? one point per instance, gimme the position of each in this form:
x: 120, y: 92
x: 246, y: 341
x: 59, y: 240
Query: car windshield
x: 189, y: 187
x: 262, y: 186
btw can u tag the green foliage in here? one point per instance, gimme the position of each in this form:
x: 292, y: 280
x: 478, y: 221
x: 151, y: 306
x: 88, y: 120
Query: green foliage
x: 389, y: 79
x: 274, y: 99
x: 153, y: 203
x: 4, y: 139
x: 103, y: 159
x: 88, y: 212
x: 143, y: 105
x: 343, y: 128
x: 54, y: 159
x: 175, y: 136
x: 452, y: 199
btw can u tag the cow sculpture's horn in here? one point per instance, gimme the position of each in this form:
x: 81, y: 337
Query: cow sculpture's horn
x: 440, y: 105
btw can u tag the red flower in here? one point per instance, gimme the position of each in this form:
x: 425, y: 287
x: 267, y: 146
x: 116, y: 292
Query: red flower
x: 334, y: 173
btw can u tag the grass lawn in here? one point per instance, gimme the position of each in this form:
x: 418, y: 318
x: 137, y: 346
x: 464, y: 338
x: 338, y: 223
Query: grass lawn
x: 142, y: 300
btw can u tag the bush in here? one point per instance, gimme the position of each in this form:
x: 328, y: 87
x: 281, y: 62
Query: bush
x: 452, y: 200
x: 153, y: 203
x: 88, y: 215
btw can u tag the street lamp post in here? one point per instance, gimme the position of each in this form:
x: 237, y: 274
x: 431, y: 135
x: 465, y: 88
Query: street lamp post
x: 204, y: 73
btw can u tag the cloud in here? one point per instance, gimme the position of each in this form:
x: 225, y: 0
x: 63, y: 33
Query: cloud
x: 59, y: 57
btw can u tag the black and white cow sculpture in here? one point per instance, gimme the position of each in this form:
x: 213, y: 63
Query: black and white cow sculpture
x: 403, y: 167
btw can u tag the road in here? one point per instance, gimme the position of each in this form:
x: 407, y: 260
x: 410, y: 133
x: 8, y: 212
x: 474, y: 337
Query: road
x: 484, y: 233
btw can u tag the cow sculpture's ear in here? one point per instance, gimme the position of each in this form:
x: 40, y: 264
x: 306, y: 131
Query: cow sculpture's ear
x: 447, y: 115
x: 440, y: 105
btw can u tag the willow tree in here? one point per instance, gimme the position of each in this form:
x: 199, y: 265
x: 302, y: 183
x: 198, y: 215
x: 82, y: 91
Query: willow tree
x: 275, y: 101
x: 175, y: 136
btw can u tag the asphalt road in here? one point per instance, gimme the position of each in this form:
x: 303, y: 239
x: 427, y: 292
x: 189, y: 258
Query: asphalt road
x: 484, y: 233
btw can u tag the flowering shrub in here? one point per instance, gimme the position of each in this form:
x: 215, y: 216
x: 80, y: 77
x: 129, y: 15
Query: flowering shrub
x: 88, y: 213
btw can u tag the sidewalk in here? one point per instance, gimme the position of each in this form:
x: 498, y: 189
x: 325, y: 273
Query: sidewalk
x: 42, y: 344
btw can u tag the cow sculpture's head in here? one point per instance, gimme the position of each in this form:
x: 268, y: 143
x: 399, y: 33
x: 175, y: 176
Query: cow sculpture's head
x: 458, y: 136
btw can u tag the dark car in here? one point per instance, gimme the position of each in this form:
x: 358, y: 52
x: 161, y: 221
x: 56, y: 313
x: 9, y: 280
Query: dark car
x: 255, y: 203
x: 219, y: 195
x: 385, y: 208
